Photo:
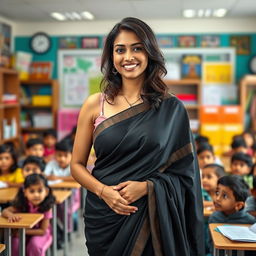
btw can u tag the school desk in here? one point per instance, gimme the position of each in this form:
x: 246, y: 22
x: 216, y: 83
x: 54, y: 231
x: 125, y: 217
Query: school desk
x: 61, y: 197
x: 66, y: 185
x: 2, y: 247
x: 28, y: 220
x: 8, y: 194
x: 220, y: 242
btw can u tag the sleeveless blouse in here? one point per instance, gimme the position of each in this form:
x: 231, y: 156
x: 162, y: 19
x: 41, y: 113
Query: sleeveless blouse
x: 101, y: 117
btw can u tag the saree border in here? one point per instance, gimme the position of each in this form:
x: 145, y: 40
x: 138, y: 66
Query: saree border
x: 125, y: 114
x: 151, y: 222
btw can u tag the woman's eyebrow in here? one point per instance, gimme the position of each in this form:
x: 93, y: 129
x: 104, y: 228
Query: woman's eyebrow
x: 118, y: 45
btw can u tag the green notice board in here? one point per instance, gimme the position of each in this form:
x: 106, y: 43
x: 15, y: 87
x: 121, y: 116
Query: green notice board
x: 79, y: 76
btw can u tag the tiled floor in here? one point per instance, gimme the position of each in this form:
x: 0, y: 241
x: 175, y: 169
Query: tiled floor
x: 77, y: 244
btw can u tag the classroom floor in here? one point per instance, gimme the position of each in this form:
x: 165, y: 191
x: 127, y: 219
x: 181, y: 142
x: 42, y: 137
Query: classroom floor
x: 77, y: 244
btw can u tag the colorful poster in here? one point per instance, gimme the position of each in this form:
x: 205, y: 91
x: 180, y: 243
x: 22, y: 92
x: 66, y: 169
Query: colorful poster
x: 217, y: 73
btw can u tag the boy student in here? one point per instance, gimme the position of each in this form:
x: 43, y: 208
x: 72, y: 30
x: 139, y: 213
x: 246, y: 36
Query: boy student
x: 231, y: 194
x: 60, y: 167
x: 241, y: 165
x: 251, y: 201
x: 33, y: 164
x: 34, y: 147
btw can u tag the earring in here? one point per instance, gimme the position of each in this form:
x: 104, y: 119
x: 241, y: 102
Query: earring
x: 114, y: 71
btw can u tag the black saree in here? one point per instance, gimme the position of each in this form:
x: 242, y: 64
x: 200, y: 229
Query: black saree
x: 153, y: 145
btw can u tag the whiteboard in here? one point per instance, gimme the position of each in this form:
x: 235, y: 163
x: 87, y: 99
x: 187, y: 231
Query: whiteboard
x: 79, y: 75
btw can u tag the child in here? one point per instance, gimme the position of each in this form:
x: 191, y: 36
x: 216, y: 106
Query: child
x: 49, y: 140
x: 229, y: 202
x: 199, y: 140
x: 249, y: 140
x: 35, y: 197
x: 251, y: 201
x: 60, y: 167
x: 34, y: 147
x: 33, y: 164
x: 205, y: 155
x: 210, y: 175
x: 241, y: 164
x: 239, y: 145
x: 10, y: 174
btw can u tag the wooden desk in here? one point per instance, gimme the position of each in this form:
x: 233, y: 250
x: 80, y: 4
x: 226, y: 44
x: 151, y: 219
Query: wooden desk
x: 7, y: 194
x: 2, y: 247
x: 66, y: 184
x: 61, y: 197
x: 29, y: 220
x: 222, y: 242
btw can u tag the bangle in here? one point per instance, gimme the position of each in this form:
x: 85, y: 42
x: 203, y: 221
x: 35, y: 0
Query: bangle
x: 101, y: 191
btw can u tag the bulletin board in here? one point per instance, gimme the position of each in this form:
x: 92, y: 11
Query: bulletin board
x: 79, y: 76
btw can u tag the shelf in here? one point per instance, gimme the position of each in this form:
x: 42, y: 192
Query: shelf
x: 191, y: 106
x: 8, y: 71
x: 182, y: 82
x: 12, y: 139
x: 35, y: 107
x: 11, y: 105
x: 33, y: 129
x: 36, y: 82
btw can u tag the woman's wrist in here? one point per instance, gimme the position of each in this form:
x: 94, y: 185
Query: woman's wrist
x: 145, y: 188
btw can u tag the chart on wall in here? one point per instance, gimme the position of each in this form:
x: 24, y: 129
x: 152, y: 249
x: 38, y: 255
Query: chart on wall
x: 79, y: 76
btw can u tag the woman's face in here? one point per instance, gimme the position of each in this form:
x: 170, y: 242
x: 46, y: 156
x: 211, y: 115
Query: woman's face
x: 129, y: 56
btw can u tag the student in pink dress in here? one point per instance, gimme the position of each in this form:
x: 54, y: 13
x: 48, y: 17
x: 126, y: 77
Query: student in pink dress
x: 34, y: 197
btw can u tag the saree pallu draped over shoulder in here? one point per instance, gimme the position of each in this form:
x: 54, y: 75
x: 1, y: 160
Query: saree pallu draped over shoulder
x: 153, y: 145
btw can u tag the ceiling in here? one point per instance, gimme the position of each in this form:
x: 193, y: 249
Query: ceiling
x: 39, y: 10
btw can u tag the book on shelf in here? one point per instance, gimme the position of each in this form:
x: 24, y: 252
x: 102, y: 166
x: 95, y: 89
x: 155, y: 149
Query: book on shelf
x: 239, y: 233
x: 40, y: 70
x: 187, y: 98
x: 191, y: 66
x: 10, y: 98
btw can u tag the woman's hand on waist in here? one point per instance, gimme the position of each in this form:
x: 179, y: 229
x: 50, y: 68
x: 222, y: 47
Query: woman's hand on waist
x: 131, y: 191
x: 116, y: 202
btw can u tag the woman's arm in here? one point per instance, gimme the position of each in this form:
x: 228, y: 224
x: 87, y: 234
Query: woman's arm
x: 39, y: 231
x: 9, y: 213
x: 81, y: 151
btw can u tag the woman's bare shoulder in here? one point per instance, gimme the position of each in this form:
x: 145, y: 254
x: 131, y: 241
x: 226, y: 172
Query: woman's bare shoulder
x: 91, y: 106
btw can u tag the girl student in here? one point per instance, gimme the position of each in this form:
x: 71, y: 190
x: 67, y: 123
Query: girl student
x: 10, y: 174
x: 34, y: 197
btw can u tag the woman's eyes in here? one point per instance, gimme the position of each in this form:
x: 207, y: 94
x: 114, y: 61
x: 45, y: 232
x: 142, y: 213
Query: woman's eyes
x: 135, y: 49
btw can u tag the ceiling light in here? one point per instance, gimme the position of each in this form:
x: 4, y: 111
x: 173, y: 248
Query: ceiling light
x: 69, y: 15
x: 208, y: 13
x: 76, y: 15
x: 189, y: 13
x: 58, y: 16
x: 220, y: 12
x: 87, y: 15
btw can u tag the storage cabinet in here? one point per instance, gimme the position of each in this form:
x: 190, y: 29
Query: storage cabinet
x: 189, y: 91
x: 9, y: 106
x: 248, y: 100
x: 39, y: 105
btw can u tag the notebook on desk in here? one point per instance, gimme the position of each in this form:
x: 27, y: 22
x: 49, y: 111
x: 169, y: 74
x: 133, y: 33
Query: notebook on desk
x: 239, y: 233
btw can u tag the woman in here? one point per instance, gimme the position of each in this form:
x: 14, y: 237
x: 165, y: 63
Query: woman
x: 144, y: 194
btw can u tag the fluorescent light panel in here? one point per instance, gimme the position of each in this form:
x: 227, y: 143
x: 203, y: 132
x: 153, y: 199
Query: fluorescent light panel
x: 72, y: 16
x: 201, y: 13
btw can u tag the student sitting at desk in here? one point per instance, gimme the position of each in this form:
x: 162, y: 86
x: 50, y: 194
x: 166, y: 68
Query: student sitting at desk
x: 231, y: 194
x: 60, y: 167
x: 10, y: 174
x: 35, y: 197
x: 241, y: 165
x: 33, y: 164
x: 34, y: 147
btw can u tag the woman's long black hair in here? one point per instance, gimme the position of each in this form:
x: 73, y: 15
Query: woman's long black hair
x: 154, y: 89
x: 9, y: 148
x: 21, y: 203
